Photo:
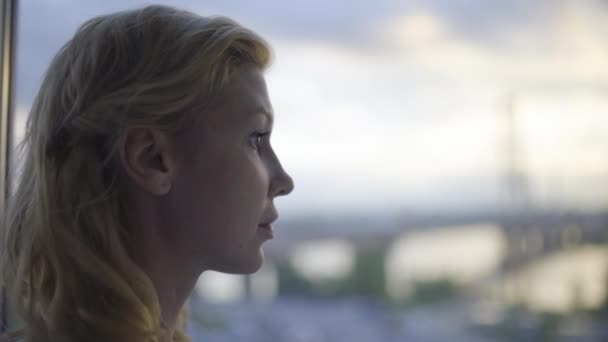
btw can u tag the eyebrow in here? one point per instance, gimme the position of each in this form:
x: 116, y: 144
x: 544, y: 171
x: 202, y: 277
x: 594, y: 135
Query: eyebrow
x: 261, y: 111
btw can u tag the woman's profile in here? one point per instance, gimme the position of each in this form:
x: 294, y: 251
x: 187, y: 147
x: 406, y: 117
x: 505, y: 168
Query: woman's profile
x: 146, y: 161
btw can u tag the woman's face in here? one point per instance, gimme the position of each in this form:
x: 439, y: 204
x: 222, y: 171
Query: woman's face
x: 227, y: 178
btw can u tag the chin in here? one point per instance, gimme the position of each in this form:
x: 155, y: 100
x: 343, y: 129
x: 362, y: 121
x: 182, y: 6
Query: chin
x: 249, y: 266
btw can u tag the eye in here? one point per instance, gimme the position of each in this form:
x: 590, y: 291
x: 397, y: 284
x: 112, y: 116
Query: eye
x: 257, y: 138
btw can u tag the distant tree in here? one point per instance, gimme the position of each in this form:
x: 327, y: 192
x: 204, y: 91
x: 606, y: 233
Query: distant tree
x: 368, y: 277
x: 426, y: 292
x: 292, y: 283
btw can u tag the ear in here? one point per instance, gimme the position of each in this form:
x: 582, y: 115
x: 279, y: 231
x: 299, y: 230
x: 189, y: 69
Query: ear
x: 145, y: 156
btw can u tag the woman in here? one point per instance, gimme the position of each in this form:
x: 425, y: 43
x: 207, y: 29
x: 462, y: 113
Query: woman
x: 147, y: 161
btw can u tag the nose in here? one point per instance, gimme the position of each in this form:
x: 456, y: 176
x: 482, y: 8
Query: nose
x: 282, y: 184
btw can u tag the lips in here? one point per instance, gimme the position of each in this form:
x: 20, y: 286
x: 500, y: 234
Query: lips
x: 268, y: 223
x: 265, y: 225
x: 266, y: 228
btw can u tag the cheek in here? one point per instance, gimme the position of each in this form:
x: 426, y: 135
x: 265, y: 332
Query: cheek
x: 223, y: 199
x: 240, y: 181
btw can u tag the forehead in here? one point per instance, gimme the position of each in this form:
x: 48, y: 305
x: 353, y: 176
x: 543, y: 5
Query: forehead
x: 244, y: 95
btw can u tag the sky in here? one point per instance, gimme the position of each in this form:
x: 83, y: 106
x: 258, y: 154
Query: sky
x: 385, y: 105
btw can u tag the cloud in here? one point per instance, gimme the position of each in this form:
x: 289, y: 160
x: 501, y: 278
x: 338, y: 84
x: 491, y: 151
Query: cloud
x: 566, y: 45
x: 399, y: 101
x: 458, y: 38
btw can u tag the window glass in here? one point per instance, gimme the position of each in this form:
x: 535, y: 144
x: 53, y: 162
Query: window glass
x: 450, y: 161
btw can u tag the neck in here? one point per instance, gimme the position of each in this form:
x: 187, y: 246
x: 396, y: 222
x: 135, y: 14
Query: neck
x: 173, y: 280
x: 173, y: 289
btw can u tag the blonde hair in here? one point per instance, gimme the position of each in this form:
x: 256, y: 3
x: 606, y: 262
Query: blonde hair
x: 65, y: 243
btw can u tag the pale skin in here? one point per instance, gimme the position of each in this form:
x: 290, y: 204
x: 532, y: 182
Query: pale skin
x: 196, y: 204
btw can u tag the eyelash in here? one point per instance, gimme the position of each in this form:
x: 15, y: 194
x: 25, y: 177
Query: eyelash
x: 258, y: 136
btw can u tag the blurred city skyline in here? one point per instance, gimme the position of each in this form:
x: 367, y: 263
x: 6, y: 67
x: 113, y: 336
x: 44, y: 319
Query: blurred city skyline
x: 387, y: 105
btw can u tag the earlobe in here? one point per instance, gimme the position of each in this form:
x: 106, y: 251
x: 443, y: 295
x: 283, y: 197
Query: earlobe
x: 145, y: 158
x: 164, y: 187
